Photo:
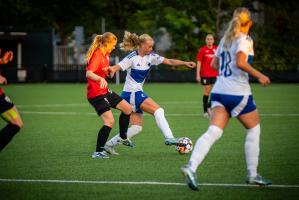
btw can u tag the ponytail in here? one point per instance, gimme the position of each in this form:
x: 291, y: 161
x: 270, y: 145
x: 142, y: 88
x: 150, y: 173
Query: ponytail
x: 240, y: 18
x: 94, y: 45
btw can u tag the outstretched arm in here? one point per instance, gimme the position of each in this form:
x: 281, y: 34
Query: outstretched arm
x: 175, y: 62
x: 7, y: 57
x: 113, y: 69
x: 3, y: 80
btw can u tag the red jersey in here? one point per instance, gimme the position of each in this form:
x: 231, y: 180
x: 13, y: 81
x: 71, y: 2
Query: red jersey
x: 1, y: 91
x: 205, y: 56
x: 97, y: 62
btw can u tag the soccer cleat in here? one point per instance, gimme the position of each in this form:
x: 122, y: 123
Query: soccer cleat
x: 173, y: 141
x: 99, y: 155
x: 258, y: 180
x: 110, y: 150
x: 127, y: 142
x: 190, y: 177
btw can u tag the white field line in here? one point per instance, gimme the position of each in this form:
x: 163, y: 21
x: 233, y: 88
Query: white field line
x: 169, y: 115
x: 137, y: 183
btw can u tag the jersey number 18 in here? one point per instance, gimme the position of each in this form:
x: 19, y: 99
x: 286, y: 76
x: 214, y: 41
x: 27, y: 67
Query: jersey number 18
x: 226, y: 59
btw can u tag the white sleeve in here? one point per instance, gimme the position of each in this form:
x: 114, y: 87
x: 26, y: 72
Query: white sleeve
x: 125, y: 63
x: 244, y: 45
x: 156, y: 59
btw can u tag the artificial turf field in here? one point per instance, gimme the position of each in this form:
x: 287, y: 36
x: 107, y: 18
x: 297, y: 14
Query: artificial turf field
x: 51, y: 157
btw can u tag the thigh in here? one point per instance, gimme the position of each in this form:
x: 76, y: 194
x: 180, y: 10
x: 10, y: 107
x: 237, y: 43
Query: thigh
x: 124, y: 106
x: 219, y: 117
x: 249, y: 120
x: 136, y: 119
x: 149, y: 106
x: 107, y: 118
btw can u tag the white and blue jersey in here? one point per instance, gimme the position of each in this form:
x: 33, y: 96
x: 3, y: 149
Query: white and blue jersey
x: 137, y: 68
x: 232, y: 89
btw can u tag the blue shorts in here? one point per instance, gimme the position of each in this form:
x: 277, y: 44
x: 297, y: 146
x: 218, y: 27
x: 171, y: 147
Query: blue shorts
x: 135, y: 99
x: 235, y: 105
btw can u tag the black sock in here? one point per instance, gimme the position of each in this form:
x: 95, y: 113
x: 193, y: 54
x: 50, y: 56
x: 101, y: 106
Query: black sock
x: 205, y: 101
x: 102, y: 138
x: 124, y: 121
x: 7, y: 133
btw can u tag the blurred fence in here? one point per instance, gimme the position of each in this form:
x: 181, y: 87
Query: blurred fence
x: 76, y: 73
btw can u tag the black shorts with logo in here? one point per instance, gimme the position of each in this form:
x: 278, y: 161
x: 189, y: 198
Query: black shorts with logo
x: 208, y: 80
x: 5, y: 103
x: 103, y: 103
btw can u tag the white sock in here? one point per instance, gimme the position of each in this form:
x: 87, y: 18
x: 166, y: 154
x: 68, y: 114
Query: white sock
x: 113, y: 141
x: 162, y: 123
x: 252, y: 149
x: 203, y: 145
x: 132, y: 131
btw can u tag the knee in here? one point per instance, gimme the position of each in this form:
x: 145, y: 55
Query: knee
x: 109, y: 122
x: 159, y: 111
x: 18, y: 123
x: 128, y: 111
x: 213, y: 133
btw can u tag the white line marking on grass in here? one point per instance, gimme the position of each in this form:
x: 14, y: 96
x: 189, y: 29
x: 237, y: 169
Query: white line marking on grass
x: 140, y: 183
x: 169, y: 115
x: 54, y: 105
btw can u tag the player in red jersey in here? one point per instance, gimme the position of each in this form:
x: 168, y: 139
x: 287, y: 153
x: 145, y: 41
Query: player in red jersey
x: 102, y: 98
x: 205, y: 73
x: 8, y: 110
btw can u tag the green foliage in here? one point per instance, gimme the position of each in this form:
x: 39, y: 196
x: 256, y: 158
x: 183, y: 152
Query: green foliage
x: 186, y: 22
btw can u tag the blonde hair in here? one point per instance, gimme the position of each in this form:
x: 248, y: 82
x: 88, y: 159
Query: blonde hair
x: 131, y: 41
x: 241, y: 18
x: 98, y: 42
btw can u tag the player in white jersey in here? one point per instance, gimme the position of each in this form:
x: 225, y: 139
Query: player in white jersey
x: 231, y: 97
x: 138, y: 64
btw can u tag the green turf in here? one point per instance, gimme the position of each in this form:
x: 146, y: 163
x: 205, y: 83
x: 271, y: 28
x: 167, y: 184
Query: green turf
x: 60, y: 130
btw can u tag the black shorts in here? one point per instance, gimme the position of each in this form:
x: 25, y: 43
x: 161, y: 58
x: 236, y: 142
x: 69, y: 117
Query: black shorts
x: 103, y: 103
x: 5, y: 103
x: 208, y: 80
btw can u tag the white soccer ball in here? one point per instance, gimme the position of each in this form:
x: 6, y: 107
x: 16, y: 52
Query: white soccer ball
x: 186, y: 148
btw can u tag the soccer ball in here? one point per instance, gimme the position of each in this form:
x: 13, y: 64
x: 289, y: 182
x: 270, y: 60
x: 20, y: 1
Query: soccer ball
x: 186, y: 148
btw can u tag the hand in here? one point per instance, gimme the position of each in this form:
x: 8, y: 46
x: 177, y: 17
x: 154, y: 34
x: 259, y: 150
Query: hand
x: 198, y: 79
x: 8, y: 56
x: 3, y: 80
x: 190, y: 64
x: 264, y: 80
x: 111, y: 72
x: 103, y: 83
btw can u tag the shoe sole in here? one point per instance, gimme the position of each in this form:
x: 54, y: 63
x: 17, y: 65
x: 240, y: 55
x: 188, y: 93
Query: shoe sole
x: 188, y: 180
x: 101, y: 157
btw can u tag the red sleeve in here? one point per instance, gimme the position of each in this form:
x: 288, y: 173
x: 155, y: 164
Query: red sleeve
x: 95, y: 61
x: 200, y: 55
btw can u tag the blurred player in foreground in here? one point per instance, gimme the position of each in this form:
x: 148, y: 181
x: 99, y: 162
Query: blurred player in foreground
x: 231, y: 97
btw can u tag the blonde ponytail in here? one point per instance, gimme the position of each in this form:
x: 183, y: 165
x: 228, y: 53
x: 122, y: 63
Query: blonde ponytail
x: 240, y: 18
x: 131, y: 41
